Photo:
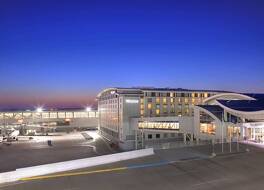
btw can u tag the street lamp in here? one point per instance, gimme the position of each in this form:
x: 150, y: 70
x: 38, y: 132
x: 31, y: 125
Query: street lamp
x: 39, y: 110
x: 88, y: 109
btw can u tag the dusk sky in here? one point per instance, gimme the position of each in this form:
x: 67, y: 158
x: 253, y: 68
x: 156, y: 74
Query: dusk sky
x: 62, y: 53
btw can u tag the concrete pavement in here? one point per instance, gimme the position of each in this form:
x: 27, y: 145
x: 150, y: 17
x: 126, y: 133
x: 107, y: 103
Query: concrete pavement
x: 37, y: 152
x: 242, y: 171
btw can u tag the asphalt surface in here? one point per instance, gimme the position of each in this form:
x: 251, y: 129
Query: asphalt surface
x: 31, y: 153
x: 239, y: 171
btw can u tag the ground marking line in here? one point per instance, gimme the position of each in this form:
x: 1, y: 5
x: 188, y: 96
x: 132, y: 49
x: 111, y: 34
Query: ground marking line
x: 96, y: 171
x: 72, y: 174
x: 138, y: 166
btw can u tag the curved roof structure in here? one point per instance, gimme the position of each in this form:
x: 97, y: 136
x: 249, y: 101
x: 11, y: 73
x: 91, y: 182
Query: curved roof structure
x: 243, y: 105
x: 248, y: 106
x: 142, y: 89
x: 253, y: 109
x: 215, y: 110
x: 227, y: 96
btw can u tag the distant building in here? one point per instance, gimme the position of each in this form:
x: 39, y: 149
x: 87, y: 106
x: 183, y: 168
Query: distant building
x: 48, y: 120
x: 163, y: 114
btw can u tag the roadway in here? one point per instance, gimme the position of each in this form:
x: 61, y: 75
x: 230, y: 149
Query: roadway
x: 241, y: 171
x: 36, y: 152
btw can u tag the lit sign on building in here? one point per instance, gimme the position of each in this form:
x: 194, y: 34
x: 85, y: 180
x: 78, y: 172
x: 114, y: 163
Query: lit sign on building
x: 130, y: 101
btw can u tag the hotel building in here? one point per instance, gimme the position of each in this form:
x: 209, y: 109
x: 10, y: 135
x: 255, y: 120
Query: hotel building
x: 131, y: 116
x: 135, y: 117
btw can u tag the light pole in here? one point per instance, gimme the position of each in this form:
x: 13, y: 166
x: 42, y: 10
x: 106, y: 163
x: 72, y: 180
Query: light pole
x: 38, y: 110
x: 222, y: 125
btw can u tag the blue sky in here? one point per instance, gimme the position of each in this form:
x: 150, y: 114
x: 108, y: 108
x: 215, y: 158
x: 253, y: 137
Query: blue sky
x: 65, y: 52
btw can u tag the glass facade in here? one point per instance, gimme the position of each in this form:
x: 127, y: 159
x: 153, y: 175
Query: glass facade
x: 48, y: 115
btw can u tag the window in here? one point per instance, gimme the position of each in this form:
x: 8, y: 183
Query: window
x: 164, y: 100
x: 157, y: 136
x: 45, y: 115
x: 91, y: 114
x: 149, y: 136
x: 69, y: 115
x: 157, y: 111
x: 178, y: 94
x: 53, y: 114
x: 157, y: 100
x: 233, y: 131
x: 172, y: 110
x: 80, y: 114
x: 208, y: 128
x: 172, y: 100
x: 61, y: 115
x: 149, y: 106
x: 165, y: 109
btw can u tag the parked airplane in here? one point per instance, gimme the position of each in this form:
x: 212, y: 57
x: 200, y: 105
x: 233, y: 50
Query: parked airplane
x: 11, y: 135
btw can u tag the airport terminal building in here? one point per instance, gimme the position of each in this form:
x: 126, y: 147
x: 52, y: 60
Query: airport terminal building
x: 135, y: 117
x: 42, y: 121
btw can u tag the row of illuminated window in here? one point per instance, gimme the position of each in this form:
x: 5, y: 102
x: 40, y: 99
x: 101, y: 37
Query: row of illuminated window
x: 164, y: 106
x: 173, y: 94
x: 47, y: 115
x: 165, y: 111
x: 170, y: 125
x: 171, y: 100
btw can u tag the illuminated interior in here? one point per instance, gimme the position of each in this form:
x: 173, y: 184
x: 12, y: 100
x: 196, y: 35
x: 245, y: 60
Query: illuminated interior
x: 167, y: 125
x: 233, y: 131
x: 207, y: 128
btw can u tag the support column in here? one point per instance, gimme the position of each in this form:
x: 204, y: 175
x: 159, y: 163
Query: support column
x: 136, y: 138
